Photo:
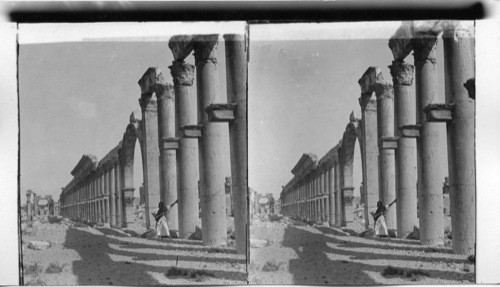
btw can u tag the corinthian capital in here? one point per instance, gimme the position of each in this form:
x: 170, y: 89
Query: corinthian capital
x: 182, y: 73
x: 205, y: 48
x: 150, y: 79
x: 402, y: 73
x: 369, y: 78
x: 401, y: 42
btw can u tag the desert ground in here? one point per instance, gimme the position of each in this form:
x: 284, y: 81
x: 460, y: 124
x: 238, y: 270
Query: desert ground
x: 75, y: 253
x: 286, y: 251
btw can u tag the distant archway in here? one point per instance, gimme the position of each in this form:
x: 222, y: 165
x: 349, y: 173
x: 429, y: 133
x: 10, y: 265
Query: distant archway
x: 352, y: 133
x: 133, y: 133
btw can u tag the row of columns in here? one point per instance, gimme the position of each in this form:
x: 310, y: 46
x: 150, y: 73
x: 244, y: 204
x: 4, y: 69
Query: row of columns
x: 97, y: 197
x: 319, y: 197
x: 401, y: 133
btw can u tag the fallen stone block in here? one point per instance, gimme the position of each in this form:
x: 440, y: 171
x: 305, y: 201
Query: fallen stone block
x: 415, y: 234
x: 392, y: 233
x: 197, y: 235
x: 367, y: 233
x: 38, y: 245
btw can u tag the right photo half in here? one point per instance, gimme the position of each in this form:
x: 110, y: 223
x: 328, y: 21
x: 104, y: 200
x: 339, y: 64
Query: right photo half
x: 361, y: 153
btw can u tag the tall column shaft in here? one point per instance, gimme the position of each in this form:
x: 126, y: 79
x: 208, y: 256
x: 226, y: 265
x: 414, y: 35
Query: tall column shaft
x: 430, y: 197
x: 387, y: 169
x: 168, y: 162
x: 118, y: 197
x: 187, y: 154
x: 406, y: 153
x: 112, y: 200
x: 151, y: 152
x: 459, y: 68
x: 331, y: 196
x: 236, y: 80
x: 370, y: 155
x: 211, y: 143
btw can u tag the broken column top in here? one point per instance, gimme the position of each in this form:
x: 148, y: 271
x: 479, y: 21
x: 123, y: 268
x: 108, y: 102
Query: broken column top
x: 135, y: 117
x: 384, y: 90
x: 149, y: 80
x: 181, y: 46
x: 369, y: 78
x: 164, y: 90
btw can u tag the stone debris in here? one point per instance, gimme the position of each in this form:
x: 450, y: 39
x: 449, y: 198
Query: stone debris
x: 38, y: 245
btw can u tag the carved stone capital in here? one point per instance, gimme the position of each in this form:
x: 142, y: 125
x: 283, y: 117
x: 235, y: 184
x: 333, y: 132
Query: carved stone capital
x: 205, y: 48
x: 384, y: 90
x: 163, y: 91
x: 402, y: 73
x: 424, y: 47
x: 401, y: 42
x: 181, y: 46
x: 455, y: 30
x: 182, y: 73
x: 369, y: 78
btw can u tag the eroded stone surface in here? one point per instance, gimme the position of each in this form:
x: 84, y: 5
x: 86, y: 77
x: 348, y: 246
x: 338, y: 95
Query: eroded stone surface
x: 148, y: 81
x: 369, y: 78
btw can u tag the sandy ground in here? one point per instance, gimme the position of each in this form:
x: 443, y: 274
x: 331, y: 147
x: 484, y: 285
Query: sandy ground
x: 107, y: 256
x: 322, y: 255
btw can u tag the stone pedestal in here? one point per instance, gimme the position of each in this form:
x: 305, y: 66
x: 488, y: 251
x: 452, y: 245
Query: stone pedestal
x: 430, y: 198
x: 347, y: 205
x: 459, y: 68
x: 211, y: 143
x: 406, y: 153
x: 187, y: 154
x: 128, y: 206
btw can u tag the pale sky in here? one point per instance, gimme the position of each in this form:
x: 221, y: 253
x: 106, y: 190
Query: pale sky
x: 302, y: 91
x: 76, y: 96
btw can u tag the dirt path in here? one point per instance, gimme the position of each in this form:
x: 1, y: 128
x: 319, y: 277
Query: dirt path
x: 318, y: 255
x: 106, y: 256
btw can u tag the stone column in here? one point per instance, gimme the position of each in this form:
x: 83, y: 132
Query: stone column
x: 187, y: 155
x: 211, y: 171
x: 35, y: 205
x: 387, y: 169
x: 368, y: 103
x: 459, y: 70
x: 430, y: 197
x: 331, y: 196
x: 112, y: 196
x: 106, y: 197
x: 118, y: 192
x: 406, y: 153
x: 228, y: 191
x: 149, y: 125
x: 29, y: 205
x: 166, y: 132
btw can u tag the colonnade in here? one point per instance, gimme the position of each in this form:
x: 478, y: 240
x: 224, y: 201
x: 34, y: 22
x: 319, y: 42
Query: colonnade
x: 181, y: 139
x: 399, y: 135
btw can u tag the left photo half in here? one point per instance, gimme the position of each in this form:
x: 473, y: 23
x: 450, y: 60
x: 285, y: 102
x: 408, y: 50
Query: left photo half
x: 133, y: 153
